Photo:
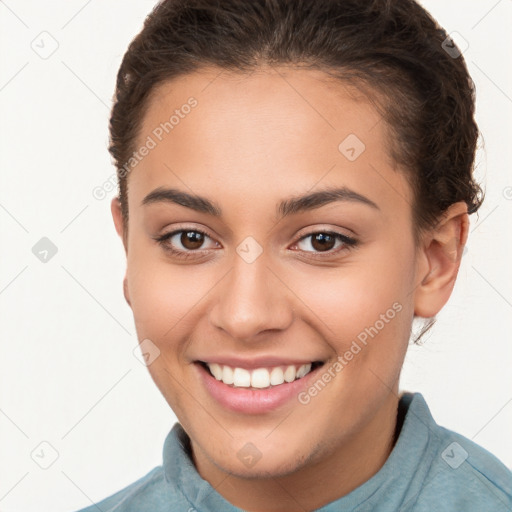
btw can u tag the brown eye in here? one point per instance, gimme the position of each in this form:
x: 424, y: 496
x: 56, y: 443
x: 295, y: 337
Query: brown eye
x: 323, y: 241
x: 192, y: 239
x: 185, y: 243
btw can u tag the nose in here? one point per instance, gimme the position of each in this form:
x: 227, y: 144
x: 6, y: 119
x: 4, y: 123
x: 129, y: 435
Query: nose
x: 250, y: 300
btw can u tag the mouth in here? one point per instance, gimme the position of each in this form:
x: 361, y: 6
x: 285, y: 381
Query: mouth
x: 259, y: 378
x: 257, y: 389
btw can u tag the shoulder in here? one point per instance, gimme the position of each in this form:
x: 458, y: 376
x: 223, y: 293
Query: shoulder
x: 463, y: 476
x: 151, y: 492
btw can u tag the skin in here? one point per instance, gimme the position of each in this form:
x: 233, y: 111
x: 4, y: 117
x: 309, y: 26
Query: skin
x: 253, y: 141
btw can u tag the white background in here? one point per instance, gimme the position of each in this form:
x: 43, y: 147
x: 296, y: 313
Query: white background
x: 68, y: 374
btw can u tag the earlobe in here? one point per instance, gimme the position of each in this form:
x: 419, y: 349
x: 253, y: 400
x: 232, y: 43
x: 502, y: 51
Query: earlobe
x: 441, y: 254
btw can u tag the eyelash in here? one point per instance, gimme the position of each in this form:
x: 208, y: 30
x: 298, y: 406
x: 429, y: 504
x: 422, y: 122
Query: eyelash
x: 348, y: 243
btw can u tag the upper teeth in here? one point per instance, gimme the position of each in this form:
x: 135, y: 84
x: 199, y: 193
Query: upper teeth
x: 259, y: 377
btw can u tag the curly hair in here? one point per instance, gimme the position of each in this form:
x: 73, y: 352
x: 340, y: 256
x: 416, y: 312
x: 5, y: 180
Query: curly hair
x: 393, y: 49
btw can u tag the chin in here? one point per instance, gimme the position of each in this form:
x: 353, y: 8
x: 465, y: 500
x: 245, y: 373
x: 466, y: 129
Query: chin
x: 268, y: 466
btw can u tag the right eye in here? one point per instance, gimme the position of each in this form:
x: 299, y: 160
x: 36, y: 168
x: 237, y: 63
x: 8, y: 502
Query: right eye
x: 190, y: 241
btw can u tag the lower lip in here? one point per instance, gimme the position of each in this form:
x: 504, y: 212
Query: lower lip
x: 252, y: 400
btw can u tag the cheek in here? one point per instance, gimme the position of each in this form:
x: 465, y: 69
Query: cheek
x: 163, y: 300
x: 163, y: 296
x: 368, y: 302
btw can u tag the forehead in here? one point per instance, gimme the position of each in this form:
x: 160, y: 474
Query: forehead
x: 279, y: 129
x: 292, y: 102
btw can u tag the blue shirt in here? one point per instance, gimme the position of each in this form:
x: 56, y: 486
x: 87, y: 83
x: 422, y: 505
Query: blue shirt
x: 430, y: 469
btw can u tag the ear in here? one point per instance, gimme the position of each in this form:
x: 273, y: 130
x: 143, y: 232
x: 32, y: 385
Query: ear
x: 117, y: 215
x: 439, y: 260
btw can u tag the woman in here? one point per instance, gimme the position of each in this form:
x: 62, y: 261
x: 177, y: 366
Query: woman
x: 295, y: 184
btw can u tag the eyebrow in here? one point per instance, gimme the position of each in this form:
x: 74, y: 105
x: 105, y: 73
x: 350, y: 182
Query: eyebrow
x: 287, y: 207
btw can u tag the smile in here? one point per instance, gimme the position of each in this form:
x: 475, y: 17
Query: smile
x: 257, y: 385
x: 259, y: 378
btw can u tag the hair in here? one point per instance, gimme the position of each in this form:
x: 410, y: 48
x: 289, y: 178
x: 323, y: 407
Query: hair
x: 393, y: 50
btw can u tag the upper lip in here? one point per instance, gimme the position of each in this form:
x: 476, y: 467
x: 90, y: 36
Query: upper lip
x: 258, y: 361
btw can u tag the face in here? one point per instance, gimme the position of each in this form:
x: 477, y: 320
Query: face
x: 227, y: 265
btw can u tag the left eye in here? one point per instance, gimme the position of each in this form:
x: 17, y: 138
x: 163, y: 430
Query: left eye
x: 324, y: 242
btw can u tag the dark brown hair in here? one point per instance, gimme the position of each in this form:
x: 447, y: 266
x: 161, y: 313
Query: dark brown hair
x: 391, y: 47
